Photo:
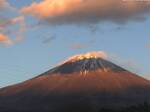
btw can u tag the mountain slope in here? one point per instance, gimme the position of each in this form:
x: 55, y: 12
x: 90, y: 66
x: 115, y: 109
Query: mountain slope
x: 79, y: 84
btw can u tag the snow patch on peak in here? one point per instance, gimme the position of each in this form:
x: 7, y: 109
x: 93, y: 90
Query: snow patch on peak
x: 89, y: 55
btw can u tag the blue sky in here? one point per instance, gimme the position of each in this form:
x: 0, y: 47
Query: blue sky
x: 42, y: 45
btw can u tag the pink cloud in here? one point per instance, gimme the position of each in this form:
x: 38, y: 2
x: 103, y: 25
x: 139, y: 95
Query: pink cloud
x: 87, y: 11
x: 6, y: 23
x: 4, y: 39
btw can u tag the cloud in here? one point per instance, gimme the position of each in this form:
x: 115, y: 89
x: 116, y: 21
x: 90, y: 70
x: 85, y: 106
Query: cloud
x: 49, y: 39
x: 4, y: 39
x: 3, y: 4
x: 87, y: 11
x: 11, y: 26
x: 6, y: 23
x: 22, y: 27
x: 78, y: 46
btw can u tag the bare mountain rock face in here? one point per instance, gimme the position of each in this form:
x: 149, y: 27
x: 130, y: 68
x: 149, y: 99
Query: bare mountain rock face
x: 83, y: 83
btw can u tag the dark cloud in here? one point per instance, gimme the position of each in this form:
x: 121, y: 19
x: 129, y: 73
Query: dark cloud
x: 49, y: 39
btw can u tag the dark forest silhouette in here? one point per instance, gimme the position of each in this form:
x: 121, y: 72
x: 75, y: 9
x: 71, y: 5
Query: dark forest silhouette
x: 145, y: 107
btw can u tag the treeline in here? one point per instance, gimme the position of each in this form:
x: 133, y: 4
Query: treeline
x: 138, y: 108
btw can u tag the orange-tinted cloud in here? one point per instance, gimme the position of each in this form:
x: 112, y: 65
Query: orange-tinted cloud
x: 78, y: 46
x: 22, y: 28
x: 87, y: 11
x: 4, y: 39
x: 5, y: 23
x: 11, y: 25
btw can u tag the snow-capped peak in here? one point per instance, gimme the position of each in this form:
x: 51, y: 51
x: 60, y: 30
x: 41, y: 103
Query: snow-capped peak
x: 99, y: 54
x: 85, y: 63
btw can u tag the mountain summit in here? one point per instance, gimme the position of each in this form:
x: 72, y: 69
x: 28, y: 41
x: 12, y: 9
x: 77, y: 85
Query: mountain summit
x: 84, y: 63
x: 83, y: 83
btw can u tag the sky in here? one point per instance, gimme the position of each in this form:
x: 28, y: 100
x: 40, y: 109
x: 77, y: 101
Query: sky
x: 36, y: 35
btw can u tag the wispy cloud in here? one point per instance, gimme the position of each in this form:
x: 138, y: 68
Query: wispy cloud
x: 6, y: 23
x: 5, y: 40
x: 49, y: 39
x: 4, y: 4
x: 22, y: 28
x: 78, y: 46
x: 87, y: 11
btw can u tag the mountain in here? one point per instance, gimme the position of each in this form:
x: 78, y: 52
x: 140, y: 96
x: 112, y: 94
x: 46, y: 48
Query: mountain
x: 83, y: 83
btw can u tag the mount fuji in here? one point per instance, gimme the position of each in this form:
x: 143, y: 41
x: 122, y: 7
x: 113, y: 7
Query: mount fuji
x: 83, y: 83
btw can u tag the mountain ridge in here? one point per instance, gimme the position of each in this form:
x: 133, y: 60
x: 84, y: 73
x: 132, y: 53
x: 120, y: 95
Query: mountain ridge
x: 68, y: 86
